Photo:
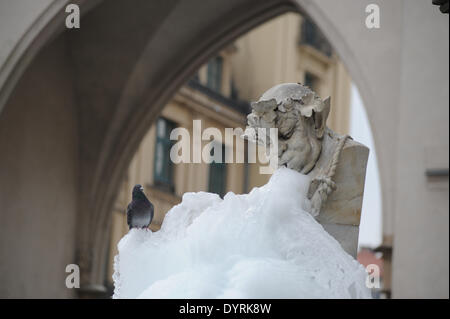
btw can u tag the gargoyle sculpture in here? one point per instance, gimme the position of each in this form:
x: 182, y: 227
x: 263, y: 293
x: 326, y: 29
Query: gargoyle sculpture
x: 307, y: 145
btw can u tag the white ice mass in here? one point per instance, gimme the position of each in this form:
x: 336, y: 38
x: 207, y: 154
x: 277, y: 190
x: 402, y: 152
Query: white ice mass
x: 263, y: 244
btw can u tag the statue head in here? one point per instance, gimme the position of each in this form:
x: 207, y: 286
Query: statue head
x: 300, y: 116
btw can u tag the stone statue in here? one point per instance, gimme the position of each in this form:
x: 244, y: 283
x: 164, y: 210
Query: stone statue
x: 335, y: 163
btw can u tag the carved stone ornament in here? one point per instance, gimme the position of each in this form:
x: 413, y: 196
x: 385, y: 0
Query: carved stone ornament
x: 335, y: 163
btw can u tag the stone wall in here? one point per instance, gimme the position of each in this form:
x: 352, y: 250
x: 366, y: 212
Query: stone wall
x: 38, y: 180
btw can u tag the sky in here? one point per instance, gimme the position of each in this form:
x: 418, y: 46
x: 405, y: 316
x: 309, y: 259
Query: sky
x: 370, y: 232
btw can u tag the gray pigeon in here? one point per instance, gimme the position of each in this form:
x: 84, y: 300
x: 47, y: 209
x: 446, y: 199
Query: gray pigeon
x: 139, y: 210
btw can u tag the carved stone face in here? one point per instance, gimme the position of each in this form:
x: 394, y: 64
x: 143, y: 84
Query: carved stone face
x: 300, y: 116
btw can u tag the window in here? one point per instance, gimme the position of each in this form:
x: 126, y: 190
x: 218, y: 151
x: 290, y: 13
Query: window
x: 163, y: 166
x: 311, y: 81
x: 311, y: 35
x: 218, y: 175
x: 214, y: 75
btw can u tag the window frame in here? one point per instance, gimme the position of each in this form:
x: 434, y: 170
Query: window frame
x: 223, y: 172
x: 214, y: 73
x: 159, y: 179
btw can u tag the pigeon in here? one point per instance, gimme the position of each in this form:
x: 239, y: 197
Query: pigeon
x: 139, y: 210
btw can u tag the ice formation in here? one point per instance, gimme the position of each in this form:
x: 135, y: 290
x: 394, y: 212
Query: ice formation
x: 263, y: 244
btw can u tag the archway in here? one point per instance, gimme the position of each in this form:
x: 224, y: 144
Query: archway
x: 162, y: 91
x: 121, y: 83
x: 119, y: 92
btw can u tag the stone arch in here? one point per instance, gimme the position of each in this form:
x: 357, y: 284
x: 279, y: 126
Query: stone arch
x: 161, y: 58
x: 47, y: 25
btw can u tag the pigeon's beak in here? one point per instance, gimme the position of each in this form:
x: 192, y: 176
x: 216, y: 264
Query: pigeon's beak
x: 142, y: 189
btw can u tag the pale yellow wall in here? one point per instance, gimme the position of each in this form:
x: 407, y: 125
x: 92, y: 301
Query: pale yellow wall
x: 267, y: 56
x: 340, y: 86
